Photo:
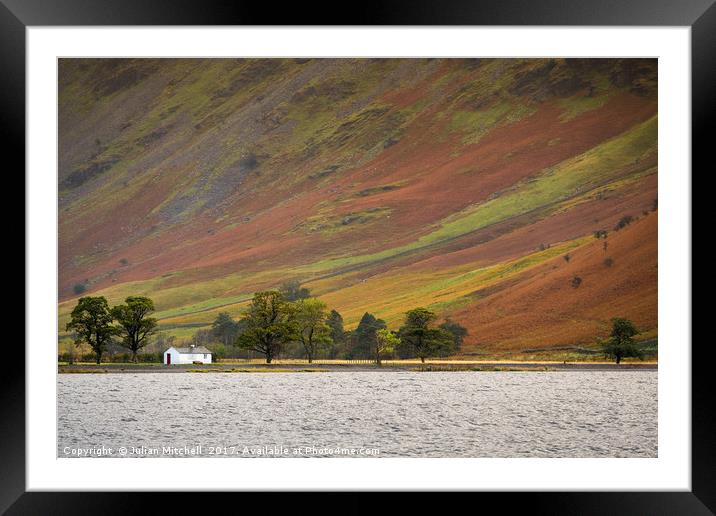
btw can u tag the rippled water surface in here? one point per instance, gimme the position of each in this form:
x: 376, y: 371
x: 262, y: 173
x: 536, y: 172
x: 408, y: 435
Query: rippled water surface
x: 406, y: 414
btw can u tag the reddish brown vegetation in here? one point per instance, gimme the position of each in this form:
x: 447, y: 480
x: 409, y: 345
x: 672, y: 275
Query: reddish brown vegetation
x: 543, y: 309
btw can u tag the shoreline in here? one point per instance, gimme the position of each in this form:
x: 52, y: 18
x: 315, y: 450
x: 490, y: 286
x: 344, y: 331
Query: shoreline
x: 444, y: 366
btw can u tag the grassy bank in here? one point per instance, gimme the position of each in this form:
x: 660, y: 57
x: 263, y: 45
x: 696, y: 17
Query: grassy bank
x: 345, y: 366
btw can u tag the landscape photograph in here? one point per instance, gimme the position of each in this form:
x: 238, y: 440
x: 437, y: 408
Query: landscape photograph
x: 357, y: 257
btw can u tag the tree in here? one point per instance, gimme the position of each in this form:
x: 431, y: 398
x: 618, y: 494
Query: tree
x: 621, y: 343
x: 458, y: 333
x: 202, y: 337
x: 385, y: 342
x: 218, y: 352
x: 424, y: 340
x: 404, y: 350
x: 92, y: 320
x: 164, y: 341
x: 312, y: 330
x: 224, y: 329
x: 135, y: 325
x: 293, y: 291
x: 269, y: 324
x: 338, y: 333
x: 363, y: 338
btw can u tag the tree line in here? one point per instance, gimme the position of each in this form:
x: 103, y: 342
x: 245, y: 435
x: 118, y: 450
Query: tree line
x: 289, y: 321
x: 97, y: 325
x: 278, y: 319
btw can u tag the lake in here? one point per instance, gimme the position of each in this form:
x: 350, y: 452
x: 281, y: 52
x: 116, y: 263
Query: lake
x: 359, y: 414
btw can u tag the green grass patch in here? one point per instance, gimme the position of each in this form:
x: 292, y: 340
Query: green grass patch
x: 476, y: 124
x: 329, y: 224
x: 575, y: 106
x: 390, y: 295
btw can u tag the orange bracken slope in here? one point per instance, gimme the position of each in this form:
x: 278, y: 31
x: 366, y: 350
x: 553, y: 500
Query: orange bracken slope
x: 382, y: 184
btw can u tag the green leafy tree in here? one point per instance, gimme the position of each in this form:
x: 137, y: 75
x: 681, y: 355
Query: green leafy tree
x: 91, y: 320
x: 425, y: 340
x: 338, y: 333
x: 404, y: 350
x: 269, y: 324
x: 385, y: 342
x: 458, y: 333
x: 225, y: 330
x: 293, y: 291
x: 363, y: 338
x: 621, y: 342
x: 135, y: 325
x: 310, y: 317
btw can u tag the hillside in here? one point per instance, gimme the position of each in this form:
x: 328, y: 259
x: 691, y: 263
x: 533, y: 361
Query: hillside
x: 381, y: 184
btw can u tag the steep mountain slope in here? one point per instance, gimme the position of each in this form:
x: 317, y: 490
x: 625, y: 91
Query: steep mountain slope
x: 383, y: 184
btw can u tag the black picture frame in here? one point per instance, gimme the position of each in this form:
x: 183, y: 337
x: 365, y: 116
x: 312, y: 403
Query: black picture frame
x: 700, y: 15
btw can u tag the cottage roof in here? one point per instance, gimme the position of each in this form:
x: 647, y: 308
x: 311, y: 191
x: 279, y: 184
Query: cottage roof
x: 190, y: 350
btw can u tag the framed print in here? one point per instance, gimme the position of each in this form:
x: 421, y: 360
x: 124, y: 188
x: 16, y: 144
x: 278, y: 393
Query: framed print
x: 433, y: 250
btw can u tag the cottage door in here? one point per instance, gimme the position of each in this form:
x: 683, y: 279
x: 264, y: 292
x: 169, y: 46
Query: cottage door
x: 169, y: 359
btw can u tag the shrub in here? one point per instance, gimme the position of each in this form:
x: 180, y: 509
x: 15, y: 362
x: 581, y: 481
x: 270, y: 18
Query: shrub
x: 576, y: 281
x: 150, y: 357
x: 79, y: 288
x: 566, y: 258
x: 608, y: 262
x: 120, y: 357
x: 66, y: 357
x: 624, y: 222
x: 219, y: 352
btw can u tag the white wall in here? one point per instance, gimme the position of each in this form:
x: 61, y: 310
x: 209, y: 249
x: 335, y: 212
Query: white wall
x: 174, y: 354
x: 186, y: 358
x: 189, y: 358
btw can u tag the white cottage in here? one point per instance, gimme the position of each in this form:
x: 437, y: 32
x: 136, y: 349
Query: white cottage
x: 187, y: 355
